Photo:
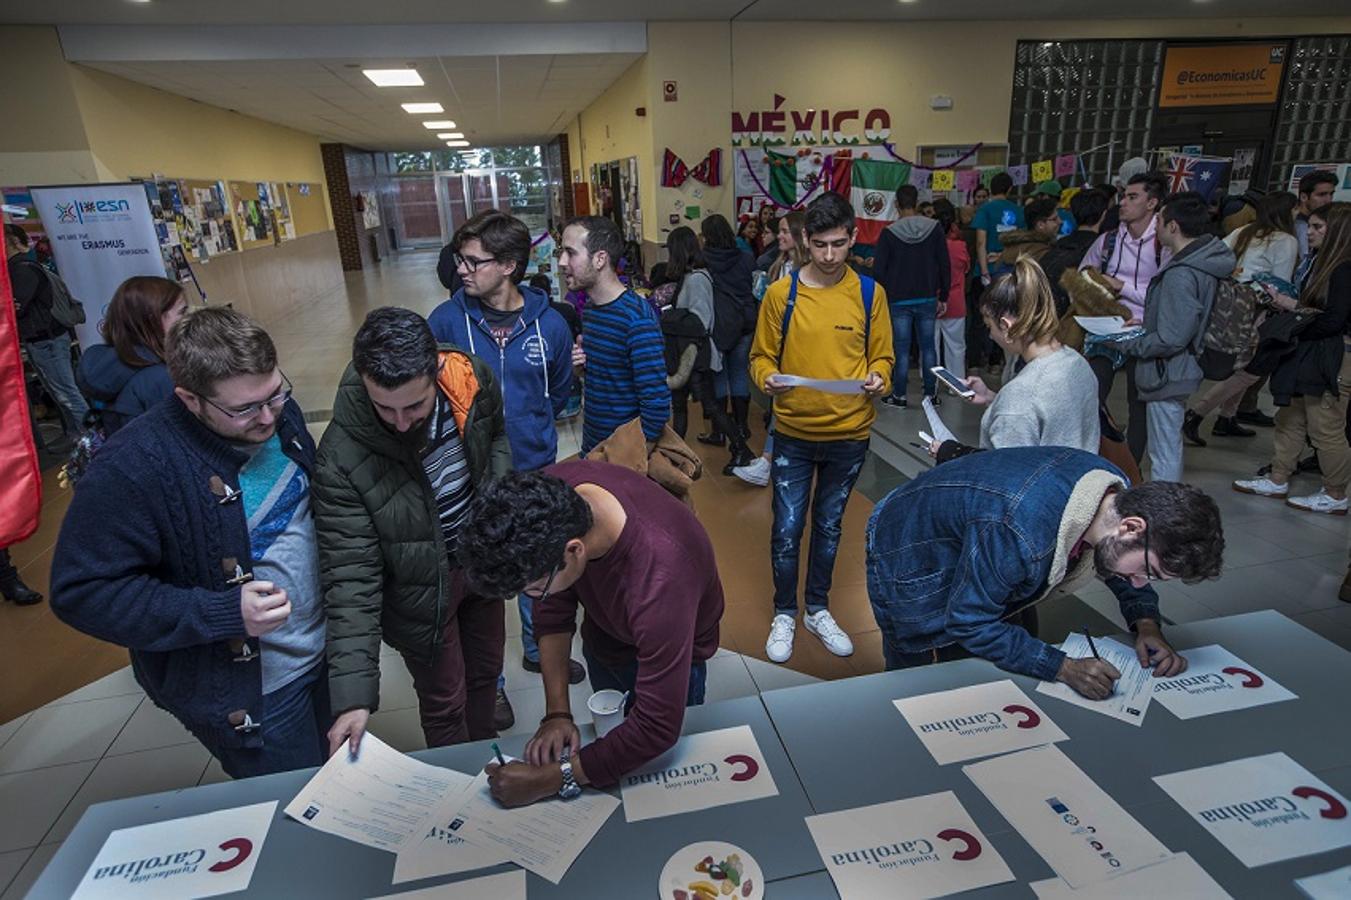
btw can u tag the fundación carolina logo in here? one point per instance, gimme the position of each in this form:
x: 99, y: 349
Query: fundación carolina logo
x: 1271, y: 812
x: 739, y: 767
x: 1211, y: 682
x: 172, y: 865
x: 913, y: 852
x: 983, y: 722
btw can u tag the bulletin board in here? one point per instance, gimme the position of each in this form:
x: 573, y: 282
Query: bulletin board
x: 208, y: 209
x: 253, y: 213
x: 309, y: 211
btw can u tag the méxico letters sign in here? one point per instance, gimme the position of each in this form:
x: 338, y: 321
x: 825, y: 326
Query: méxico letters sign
x: 1222, y: 75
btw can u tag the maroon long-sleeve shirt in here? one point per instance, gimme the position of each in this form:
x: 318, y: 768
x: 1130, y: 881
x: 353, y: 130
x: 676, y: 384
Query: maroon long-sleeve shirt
x: 654, y: 598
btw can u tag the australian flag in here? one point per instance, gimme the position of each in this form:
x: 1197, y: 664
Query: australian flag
x: 1191, y: 173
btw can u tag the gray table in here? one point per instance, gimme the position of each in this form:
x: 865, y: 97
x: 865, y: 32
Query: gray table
x: 886, y: 761
x: 623, y: 861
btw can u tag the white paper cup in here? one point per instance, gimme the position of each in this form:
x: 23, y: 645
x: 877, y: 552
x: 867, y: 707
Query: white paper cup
x: 607, y: 710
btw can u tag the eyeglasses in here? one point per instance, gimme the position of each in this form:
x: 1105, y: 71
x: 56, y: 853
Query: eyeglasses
x: 252, y: 411
x: 471, y: 263
x: 548, y: 585
x: 1150, y: 574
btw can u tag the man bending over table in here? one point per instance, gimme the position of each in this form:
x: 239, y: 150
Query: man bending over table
x: 958, y: 559
x: 640, y: 564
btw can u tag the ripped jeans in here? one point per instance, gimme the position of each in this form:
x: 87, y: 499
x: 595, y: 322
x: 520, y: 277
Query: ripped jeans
x: 836, y: 466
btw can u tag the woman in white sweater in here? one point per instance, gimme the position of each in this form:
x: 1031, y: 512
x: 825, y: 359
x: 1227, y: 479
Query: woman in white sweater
x: 1264, y: 247
x: 1053, y: 399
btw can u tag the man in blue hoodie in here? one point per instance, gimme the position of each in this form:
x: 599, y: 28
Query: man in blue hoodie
x: 513, y: 328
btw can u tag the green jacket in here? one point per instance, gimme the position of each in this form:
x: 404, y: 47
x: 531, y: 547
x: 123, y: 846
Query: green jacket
x: 382, y: 557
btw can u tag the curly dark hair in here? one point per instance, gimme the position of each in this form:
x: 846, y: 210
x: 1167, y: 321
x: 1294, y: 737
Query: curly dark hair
x: 1184, y: 527
x: 517, y: 529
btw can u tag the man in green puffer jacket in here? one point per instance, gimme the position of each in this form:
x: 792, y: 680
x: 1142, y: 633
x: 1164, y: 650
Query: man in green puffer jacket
x: 416, y: 428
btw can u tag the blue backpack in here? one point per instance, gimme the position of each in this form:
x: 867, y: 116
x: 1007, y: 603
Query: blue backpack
x: 868, y: 286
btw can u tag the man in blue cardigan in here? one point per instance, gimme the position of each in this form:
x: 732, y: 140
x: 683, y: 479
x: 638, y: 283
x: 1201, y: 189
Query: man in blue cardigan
x: 958, y: 558
x: 191, y: 542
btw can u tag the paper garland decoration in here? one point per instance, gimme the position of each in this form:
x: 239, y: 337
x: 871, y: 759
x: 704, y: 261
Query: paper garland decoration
x: 1019, y: 175
x: 919, y: 177
x: 674, y: 172
x: 1042, y: 170
x: 1065, y: 165
x: 943, y: 180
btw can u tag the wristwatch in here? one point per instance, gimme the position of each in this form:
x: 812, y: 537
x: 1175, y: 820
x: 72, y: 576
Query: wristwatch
x: 570, y: 787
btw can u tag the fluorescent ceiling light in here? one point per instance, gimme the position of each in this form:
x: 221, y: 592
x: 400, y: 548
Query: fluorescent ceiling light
x: 441, y: 125
x: 422, y: 108
x: 457, y: 143
x: 394, y: 77
x: 450, y: 135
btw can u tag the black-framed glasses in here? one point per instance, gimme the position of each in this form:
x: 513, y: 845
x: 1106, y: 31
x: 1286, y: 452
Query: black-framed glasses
x: 548, y: 585
x: 250, y: 412
x: 471, y: 263
x: 1150, y: 574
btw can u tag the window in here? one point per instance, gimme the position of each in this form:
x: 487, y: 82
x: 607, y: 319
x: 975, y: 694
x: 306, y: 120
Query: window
x: 1314, y: 120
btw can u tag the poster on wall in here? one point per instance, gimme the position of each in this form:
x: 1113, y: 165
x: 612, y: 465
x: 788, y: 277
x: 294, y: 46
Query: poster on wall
x: 1240, y: 176
x: 1226, y: 74
x: 370, y: 210
x: 1342, y: 193
x: 101, y: 235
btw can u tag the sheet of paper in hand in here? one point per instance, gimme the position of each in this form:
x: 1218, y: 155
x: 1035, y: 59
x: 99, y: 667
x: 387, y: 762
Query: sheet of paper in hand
x: 715, y: 768
x: 978, y: 720
x: 1263, y: 809
x: 441, y: 851
x: 1216, y: 681
x: 1129, y: 700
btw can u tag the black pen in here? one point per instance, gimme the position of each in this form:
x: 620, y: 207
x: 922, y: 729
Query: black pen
x: 1091, y: 645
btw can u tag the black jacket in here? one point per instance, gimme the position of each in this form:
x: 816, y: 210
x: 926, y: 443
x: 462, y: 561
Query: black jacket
x: 1066, y: 253
x: 911, y: 261
x: 32, y: 301
x: 733, y: 300
x: 1313, y: 368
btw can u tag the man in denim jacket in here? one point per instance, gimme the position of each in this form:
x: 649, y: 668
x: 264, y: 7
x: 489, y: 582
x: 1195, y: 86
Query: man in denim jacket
x: 957, y: 553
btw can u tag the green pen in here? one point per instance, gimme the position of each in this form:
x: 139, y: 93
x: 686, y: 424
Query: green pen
x: 501, y: 760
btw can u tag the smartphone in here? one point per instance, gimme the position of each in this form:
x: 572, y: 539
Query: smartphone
x: 954, y: 384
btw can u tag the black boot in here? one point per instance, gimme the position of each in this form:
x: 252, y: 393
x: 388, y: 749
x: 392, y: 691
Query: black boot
x: 741, y: 412
x: 17, y: 592
x: 1191, y: 429
x: 1256, y: 417
x: 1225, y: 427
x: 741, y: 456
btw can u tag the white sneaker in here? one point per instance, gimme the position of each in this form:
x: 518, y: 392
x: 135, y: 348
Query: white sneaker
x: 823, y: 625
x: 1262, y: 487
x: 757, y: 473
x: 780, y: 644
x: 1320, y: 503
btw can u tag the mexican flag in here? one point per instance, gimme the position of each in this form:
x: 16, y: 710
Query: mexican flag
x: 872, y: 191
x: 782, y: 177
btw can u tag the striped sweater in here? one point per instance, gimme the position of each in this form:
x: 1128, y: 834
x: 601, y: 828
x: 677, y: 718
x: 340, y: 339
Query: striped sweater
x: 625, y: 369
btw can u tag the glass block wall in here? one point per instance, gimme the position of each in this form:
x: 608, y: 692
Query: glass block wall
x: 1314, y: 122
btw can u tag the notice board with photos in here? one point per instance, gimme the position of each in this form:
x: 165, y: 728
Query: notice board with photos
x: 263, y: 212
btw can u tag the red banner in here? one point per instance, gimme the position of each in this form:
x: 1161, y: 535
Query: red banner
x: 20, y: 480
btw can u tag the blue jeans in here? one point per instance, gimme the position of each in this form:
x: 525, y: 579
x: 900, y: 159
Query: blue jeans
x: 51, y: 358
x: 294, y: 730
x: 528, y: 643
x: 623, y: 678
x: 735, y: 377
x: 919, y: 316
x: 835, y: 466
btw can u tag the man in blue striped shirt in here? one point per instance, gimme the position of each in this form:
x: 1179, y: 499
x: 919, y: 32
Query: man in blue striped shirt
x: 621, y: 340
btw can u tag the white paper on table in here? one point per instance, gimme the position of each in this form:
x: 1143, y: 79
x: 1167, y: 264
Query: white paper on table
x: 198, y: 856
x: 921, y: 847
x: 1081, y: 832
x: 937, y: 427
x: 504, y: 886
x: 382, y: 798
x: 1334, y: 885
x: 1263, y: 809
x: 544, y: 837
x: 715, y: 768
x: 442, y: 851
x: 1131, y: 694
x: 847, y: 386
x: 979, y: 720
x: 1101, y: 325
x: 1177, y: 878
x: 1216, y: 681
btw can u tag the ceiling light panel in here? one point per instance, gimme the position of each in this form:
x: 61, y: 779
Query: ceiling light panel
x: 423, y: 108
x: 394, y: 77
x: 442, y: 125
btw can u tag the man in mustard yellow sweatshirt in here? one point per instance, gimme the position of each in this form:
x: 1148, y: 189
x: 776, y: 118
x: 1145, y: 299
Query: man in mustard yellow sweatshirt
x: 826, y: 323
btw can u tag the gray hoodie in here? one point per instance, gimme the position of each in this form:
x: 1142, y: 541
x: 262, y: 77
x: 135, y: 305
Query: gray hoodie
x: 913, y: 229
x: 1177, y: 309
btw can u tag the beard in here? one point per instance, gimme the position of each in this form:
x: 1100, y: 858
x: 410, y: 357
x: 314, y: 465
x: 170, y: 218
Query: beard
x: 1107, y: 554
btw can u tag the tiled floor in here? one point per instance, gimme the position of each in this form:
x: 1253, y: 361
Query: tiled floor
x: 92, y: 736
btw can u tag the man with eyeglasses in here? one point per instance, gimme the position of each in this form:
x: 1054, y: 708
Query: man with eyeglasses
x: 191, y: 542
x: 417, y: 431
x: 605, y: 538
x: 959, y: 558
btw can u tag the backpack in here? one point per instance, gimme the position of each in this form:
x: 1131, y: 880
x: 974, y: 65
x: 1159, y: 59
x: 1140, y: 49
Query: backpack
x: 66, y: 310
x: 733, y: 315
x: 1230, y: 328
x: 868, y: 288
